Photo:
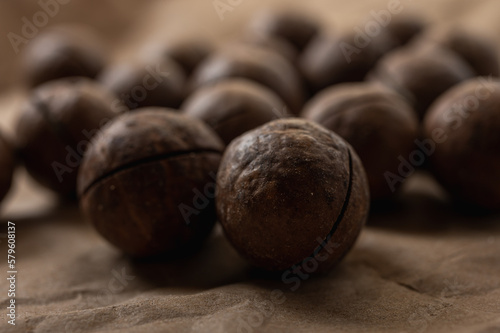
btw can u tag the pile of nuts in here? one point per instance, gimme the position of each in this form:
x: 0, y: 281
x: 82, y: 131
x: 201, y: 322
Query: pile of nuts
x: 281, y: 136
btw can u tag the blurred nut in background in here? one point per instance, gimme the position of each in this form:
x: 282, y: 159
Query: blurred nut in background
x: 475, y: 49
x: 234, y: 106
x: 464, y: 126
x: 7, y: 165
x: 187, y: 53
x: 272, y: 43
x: 294, y: 27
x: 289, y: 192
x: 404, y: 28
x: 55, y: 126
x: 140, y: 84
x: 378, y: 123
x: 421, y: 73
x: 330, y: 60
x: 147, y: 184
x: 61, y: 52
x: 263, y: 66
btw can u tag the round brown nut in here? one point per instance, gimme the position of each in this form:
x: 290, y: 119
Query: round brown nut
x: 55, y: 126
x: 479, y: 52
x: 188, y: 53
x: 423, y: 74
x: 273, y: 43
x: 291, y: 193
x: 296, y: 28
x: 140, y: 84
x: 404, y: 28
x: 62, y: 52
x: 330, y: 60
x: 232, y: 107
x: 7, y: 165
x: 147, y: 183
x: 377, y: 122
x: 463, y: 125
x: 257, y: 64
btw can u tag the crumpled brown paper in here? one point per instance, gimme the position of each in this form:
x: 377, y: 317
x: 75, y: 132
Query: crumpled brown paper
x: 422, y: 266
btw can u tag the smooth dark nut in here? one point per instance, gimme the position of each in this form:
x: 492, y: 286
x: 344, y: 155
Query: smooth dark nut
x: 7, y: 165
x: 56, y: 124
x: 139, y: 84
x: 254, y: 63
x: 464, y: 125
x: 422, y: 73
x: 234, y: 106
x: 62, y: 52
x: 287, y: 187
x: 147, y: 182
x: 377, y: 122
x: 296, y: 28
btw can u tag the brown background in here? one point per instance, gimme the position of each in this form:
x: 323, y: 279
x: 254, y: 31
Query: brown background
x: 423, y: 267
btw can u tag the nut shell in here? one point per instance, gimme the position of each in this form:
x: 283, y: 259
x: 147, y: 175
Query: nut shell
x: 62, y: 52
x: 232, y: 107
x: 404, y: 28
x: 330, y: 60
x: 287, y: 186
x: 422, y: 73
x: 187, y: 53
x: 479, y: 52
x: 257, y: 64
x: 294, y: 27
x: 466, y: 158
x: 140, y: 179
x: 139, y: 84
x: 56, y: 124
x: 377, y: 122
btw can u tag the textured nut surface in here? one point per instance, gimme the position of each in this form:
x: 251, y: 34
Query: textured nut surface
x: 62, y: 52
x: 7, y: 165
x: 464, y: 123
x: 55, y: 125
x: 138, y: 173
x: 234, y: 106
x: 423, y: 73
x: 254, y: 63
x: 378, y: 123
x: 286, y: 185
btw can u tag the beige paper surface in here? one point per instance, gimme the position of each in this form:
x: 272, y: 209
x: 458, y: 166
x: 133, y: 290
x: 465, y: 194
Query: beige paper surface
x: 423, y: 267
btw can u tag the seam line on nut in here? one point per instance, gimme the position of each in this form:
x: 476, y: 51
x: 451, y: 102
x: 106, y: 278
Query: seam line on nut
x: 145, y: 161
x: 341, y: 214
